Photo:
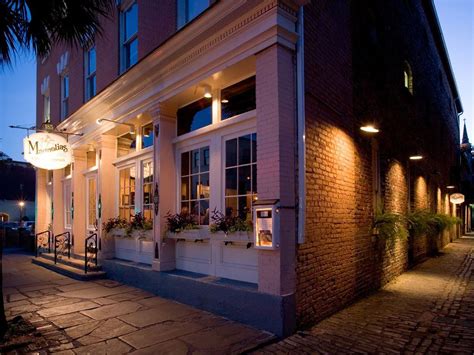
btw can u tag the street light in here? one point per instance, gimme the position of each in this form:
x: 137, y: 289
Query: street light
x: 21, y: 204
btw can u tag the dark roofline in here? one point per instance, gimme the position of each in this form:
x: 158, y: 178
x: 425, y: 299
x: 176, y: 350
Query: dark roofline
x: 435, y: 25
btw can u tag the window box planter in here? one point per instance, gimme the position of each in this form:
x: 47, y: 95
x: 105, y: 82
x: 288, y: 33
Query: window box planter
x: 244, y: 237
x: 142, y: 234
x: 191, y: 234
x: 118, y: 232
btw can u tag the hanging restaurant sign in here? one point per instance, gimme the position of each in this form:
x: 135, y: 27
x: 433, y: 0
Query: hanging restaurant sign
x: 456, y: 198
x: 47, y: 151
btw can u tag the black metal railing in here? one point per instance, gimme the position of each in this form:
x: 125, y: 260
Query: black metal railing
x: 62, y: 245
x: 42, y: 241
x: 91, y: 251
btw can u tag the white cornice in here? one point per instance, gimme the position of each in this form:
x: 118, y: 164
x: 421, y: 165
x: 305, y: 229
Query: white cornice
x: 245, y: 27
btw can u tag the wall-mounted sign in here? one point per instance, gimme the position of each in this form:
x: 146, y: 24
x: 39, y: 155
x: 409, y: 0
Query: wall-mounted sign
x: 456, y: 198
x: 47, y: 151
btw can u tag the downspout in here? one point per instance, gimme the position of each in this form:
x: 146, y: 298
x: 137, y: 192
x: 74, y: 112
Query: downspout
x: 300, y: 112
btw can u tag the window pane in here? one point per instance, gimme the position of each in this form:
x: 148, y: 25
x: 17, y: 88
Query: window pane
x: 244, y: 149
x: 185, y: 188
x: 131, y: 21
x: 131, y: 53
x: 195, y: 209
x: 204, y: 212
x: 185, y: 164
x: 231, y: 206
x: 238, y: 98
x: 231, y: 152
x: 194, y: 187
x: 194, y: 116
x: 204, y: 186
x: 65, y: 86
x: 195, y: 161
x: 196, y: 7
x: 231, y: 182
x: 185, y: 207
x: 254, y: 178
x: 147, y: 212
x: 245, y: 207
x: 91, y: 60
x: 148, y: 172
x: 147, y: 135
x: 204, y: 159
x: 244, y: 180
x: 254, y: 147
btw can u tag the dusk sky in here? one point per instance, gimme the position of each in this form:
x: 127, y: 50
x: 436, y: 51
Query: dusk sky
x: 17, y: 84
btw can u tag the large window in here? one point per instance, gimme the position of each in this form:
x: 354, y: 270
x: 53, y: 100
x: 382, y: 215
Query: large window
x: 128, y: 37
x: 67, y: 204
x: 147, y: 189
x: 64, y: 96
x: 238, y: 98
x: 194, y: 116
x: 240, y: 175
x: 127, y: 192
x: 46, y: 108
x: 147, y: 135
x: 189, y: 9
x: 195, y: 187
x: 90, y: 77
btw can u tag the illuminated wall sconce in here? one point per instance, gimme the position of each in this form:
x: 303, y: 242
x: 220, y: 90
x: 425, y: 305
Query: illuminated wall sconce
x: 369, y: 128
x: 416, y: 157
x: 207, y: 92
x: 450, y: 187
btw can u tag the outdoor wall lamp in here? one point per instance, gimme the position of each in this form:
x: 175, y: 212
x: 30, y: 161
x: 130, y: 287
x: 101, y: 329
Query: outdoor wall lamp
x: 369, y: 128
x: 132, y: 126
x: 207, y: 92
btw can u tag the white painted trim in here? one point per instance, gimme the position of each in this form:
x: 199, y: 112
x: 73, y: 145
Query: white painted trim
x: 139, y: 154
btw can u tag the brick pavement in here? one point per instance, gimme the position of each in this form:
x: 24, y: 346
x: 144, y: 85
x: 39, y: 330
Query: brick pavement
x: 429, y: 309
x: 76, y: 317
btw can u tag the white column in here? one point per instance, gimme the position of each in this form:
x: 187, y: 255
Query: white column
x: 78, y: 187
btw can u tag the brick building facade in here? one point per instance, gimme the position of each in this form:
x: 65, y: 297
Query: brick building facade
x: 361, y: 64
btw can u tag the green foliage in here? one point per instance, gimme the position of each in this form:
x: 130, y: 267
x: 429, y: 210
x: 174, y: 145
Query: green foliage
x: 179, y: 222
x: 390, y: 225
x: 228, y: 224
x: 421, y: 222
x: 113, y: 223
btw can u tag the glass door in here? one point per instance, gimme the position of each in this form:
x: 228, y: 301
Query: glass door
x: 91, y: 201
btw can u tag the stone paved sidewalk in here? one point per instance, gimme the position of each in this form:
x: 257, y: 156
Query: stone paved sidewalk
x: 429, y: 309
x: 106, y: 317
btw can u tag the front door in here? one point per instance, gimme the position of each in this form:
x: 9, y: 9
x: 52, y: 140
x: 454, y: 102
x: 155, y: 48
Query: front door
x: 91, y: 204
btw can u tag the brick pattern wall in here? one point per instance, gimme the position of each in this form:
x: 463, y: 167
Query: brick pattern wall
x: 157, y: 22
x: 359, y: 79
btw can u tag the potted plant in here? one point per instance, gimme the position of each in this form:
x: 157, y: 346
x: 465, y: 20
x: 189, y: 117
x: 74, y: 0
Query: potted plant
x: 140, y: 226
x: 116, y: 226
x: 230, y: 228
x: 389, y: 226
x: 182, y: 226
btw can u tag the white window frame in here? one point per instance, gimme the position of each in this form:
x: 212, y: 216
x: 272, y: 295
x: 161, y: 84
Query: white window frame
x: 125, y: 42
x: 91, y: 176
x: 67, y: 181
x: 183, y: 5
x: 142, y: 163
x: 65, y: 99
x: 89, y: 76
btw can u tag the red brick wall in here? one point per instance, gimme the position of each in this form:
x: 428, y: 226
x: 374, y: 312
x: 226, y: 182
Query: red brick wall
x: 157, y: 22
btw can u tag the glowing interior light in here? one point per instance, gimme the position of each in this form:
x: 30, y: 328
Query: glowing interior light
x: 369, y: 129
x: 416, y: 157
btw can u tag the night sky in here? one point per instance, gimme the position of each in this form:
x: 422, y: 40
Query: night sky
x: 17, y: 84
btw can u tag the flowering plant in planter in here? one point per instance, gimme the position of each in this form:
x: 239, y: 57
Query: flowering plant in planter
x: 114, y: 223
x: 139, y: 222
x: 180, y: 222
x: 228, y: 224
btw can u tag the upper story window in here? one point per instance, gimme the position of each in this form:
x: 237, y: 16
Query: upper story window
x: 238, y: 98
x: 46, y: 108
x: 90, y: 68
x: 64, y: 96
x: 147, y: 135
x: 194, y: 116
x: 128, y: 37
x: 408, y: 77
x: 189, y: 9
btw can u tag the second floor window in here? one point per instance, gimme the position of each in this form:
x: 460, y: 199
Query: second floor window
x: 90, y: 67
x: 46, y: 108
x: 189, y: 9
x: 64, y: 96
x: 128, y: 37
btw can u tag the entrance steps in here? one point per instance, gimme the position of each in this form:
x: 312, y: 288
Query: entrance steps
x: 72, y: 267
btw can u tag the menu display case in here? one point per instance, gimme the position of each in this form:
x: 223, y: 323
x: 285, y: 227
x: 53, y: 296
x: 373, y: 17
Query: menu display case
x: 266, y: 221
